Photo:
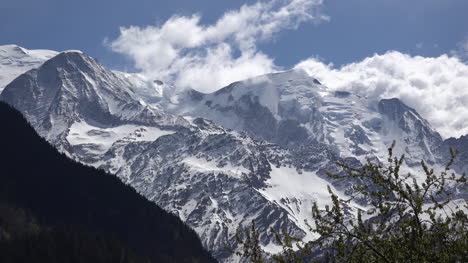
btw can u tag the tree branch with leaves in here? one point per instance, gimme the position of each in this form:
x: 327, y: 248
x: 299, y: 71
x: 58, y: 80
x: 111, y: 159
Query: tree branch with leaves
x: 405, y: 219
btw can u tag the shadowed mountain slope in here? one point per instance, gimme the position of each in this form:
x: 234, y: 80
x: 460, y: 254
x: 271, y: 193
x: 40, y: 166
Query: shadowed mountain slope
x: 60, y: 192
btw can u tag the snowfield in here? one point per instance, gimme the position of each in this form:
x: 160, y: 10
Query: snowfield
x: 15, y: 60
x: 83, y: 133
x: 256, y: 150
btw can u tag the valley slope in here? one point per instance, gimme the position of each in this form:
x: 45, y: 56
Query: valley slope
x: 256, y: 150
x: 53, y: 209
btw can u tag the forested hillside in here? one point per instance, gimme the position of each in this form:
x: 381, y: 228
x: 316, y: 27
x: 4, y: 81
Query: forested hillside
x: 54, y: 209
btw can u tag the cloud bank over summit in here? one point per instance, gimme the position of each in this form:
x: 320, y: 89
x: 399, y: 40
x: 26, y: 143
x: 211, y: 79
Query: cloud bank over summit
x: 188, y: 54
x: 436, y: 87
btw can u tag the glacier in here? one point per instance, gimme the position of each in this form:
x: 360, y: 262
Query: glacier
x: 256, y: 150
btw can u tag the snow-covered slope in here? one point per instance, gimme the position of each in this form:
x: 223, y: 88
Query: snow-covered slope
x: 15, y: 60
x: 293, y: 109
x: 72, y: 87
x: 255, y: 150
x: 214, y: 178
x: 149, y: 90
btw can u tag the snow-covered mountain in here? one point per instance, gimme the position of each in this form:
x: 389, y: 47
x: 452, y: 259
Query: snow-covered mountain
x: 15, y: 60
x: 215, y: 179
x: 293, y: 110
x: 254, y: 150
x: 73, y: 92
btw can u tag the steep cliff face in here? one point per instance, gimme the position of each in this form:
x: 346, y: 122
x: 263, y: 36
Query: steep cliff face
x: 256, y: 150
x: 213, y: 178
x: 76, y: 101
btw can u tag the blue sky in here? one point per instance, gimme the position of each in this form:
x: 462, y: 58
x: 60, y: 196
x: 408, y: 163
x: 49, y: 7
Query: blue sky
x: 357, y: 28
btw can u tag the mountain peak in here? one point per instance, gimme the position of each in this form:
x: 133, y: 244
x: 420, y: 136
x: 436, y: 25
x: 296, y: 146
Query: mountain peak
x: 72, y: 51
x: 71, y: 60
x: 396, y: 111
x: 72, y: 87
x: 65, y: 87
x: 13, y: 52
x: 16, y: 60
x: 12, y: 49
x: 283, y: 77
x: 292, y: 75
x: 274, y: 85
x: 296, y: 73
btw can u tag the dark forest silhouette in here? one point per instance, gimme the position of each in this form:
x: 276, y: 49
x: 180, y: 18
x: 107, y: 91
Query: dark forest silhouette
x: 53, y: 209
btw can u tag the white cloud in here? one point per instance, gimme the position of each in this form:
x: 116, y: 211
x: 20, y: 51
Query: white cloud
x: 462, y: 50
x: 436, y: 87
x: 186, y: 53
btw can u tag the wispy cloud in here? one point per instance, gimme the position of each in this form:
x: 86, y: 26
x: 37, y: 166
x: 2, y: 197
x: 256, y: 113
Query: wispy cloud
x: 189, y: 54
x: 435, y: 87
x: 461, y: 51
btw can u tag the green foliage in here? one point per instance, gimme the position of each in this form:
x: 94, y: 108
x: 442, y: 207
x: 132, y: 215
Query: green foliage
x: 405, y: 220
x: 249, y: 241
x: 294, y: 250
